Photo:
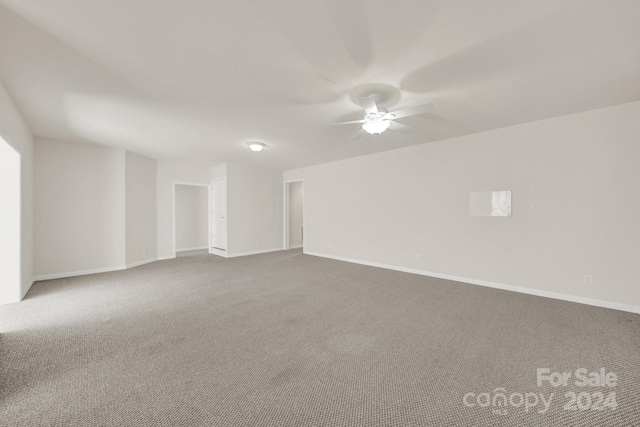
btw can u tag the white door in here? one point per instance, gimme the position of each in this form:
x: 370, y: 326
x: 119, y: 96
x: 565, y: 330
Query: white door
x: 219, y: 214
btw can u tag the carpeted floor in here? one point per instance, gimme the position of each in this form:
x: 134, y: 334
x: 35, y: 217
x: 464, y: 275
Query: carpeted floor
x: 286, y: 339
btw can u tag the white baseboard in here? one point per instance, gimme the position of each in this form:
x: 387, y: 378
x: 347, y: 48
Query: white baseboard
x: 263, y: 251
x: 91, y: 271
x: 513, y: 288
x: 24, y: 293
x: 78, y: 273
x: 199, y: 248
x: 219, y: 252
x: 295, y: 247
x: 163, y: 258
x: 143, y: 262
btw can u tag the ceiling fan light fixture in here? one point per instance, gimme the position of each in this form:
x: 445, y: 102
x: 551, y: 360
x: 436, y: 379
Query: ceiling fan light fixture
x: 376, y: 127
x: 256, y: 146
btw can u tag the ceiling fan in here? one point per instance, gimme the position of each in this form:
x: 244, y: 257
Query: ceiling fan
x: 377, y: 120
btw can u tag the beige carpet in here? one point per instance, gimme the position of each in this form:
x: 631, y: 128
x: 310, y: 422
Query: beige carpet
x: 286, y: 339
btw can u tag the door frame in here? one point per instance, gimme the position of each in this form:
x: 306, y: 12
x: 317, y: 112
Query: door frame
x: 285, y: 237
x: 173, y: 204
x: 212, y: 250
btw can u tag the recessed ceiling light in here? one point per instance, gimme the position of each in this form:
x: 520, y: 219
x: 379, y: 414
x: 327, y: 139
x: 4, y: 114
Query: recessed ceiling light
x: 256, y: 146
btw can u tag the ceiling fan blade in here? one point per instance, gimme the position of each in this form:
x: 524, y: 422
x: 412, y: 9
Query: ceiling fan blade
x: 414, y: 111
x: 359, y: 134
x: 347, y: 123
x: 369, y: 104
x: 353, y: 28
x: 400, y: 127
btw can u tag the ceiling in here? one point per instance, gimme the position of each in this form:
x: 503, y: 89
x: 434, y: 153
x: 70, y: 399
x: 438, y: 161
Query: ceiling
x: 198, y: 79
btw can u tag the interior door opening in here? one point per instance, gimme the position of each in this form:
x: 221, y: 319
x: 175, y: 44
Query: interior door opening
x: 190, y: 217
x: 218, y: 216
x: 293, y: 215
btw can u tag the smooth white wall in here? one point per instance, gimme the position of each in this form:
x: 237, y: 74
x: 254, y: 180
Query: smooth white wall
x: 575, y: 206
x: 168, y: 173
x: 192, y: 210
x: 10, y: 267
x: 141, y: 206
x: 15, y: 131
x: 79, y: 207
x: 254, y: 209
x: 295, y: 213
x: 219, y: 171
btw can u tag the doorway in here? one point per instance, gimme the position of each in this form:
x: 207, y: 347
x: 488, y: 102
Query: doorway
x: 10, y: 224
x: 218, y: 217
x: 190, y: 217
x: 293, y: 214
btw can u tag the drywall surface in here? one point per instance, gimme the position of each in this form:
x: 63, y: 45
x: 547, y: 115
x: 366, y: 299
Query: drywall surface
x: 168, y: 173
x: 219, y: 171
x: 79, y: 207
x: 192, y: 207
x: 10, y: 268
x: 141, y: 206
x: 14, y: 130
x: 254, y: 209
x: 575, y: 206
x: 295, y: 214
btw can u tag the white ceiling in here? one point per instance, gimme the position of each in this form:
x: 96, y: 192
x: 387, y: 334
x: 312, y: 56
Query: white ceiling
x: 197, y: 79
